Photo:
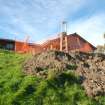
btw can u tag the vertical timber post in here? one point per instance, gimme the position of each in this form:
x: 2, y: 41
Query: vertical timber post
x: 66, y: 44
x: 15, y: 44
x: 51, y: 47
x: 104, y: 43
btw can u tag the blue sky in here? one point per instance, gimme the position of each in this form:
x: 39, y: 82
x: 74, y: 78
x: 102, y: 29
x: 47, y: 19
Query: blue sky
x: 40, y: 19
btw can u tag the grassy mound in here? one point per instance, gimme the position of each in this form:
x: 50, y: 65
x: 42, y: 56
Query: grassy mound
x: 16, y: 88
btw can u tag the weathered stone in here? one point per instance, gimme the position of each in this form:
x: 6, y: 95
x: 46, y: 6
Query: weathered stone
x: 90, y: 68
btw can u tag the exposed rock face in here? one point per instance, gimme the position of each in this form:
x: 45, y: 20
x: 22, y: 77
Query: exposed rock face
x: 90, y: 67
x: 39, y: 63
x: 92, y: 70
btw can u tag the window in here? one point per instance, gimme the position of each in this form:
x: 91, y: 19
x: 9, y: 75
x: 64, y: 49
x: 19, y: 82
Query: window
x: 1, y: 46
x: 9, y: 46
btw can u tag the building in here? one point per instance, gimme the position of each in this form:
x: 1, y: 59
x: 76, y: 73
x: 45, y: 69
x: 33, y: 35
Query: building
x: 18, y: 46
x: 66, y: 43
x: 7, y: 44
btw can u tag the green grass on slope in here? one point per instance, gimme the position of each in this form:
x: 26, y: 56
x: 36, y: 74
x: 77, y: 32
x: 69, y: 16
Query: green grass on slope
x: 16, y: 88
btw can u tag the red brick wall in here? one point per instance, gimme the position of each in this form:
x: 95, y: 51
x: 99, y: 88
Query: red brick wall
x: 75, y: 43
x: 21, y: 47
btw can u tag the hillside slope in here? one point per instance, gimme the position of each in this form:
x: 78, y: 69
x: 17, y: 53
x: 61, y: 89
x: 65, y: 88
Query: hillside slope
x: 17, y: 88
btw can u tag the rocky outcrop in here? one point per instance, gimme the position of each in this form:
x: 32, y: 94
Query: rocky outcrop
x: 89, y: 66
x: 92, y: 72
x: 40, y: 64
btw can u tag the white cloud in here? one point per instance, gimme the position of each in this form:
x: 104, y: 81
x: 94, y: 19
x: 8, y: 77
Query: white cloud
x: 37, y: 18
x: 91, y: 28
x: 40, y: 18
